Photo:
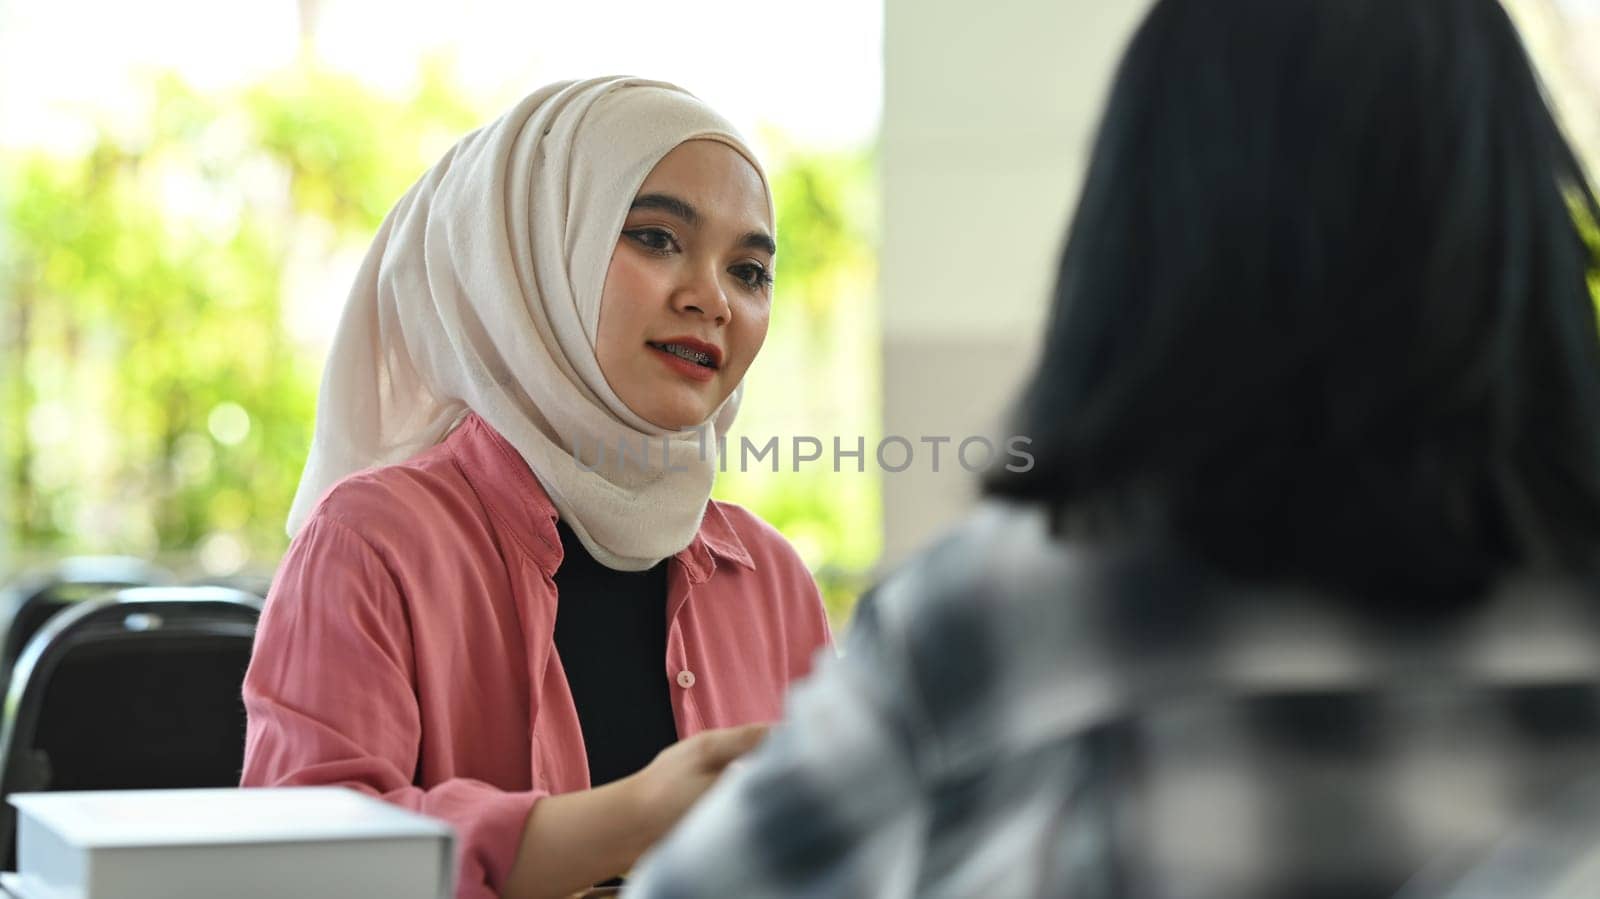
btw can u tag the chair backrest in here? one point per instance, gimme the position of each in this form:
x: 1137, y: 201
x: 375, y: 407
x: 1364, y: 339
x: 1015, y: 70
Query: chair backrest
x: 31, y: 599
x: 138, y: 689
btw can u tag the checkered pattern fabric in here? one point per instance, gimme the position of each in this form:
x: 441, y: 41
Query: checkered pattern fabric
x: 1013, y: 716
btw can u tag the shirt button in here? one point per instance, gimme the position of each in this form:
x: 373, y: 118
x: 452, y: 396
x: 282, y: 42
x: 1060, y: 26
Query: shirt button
x: 686, y: 679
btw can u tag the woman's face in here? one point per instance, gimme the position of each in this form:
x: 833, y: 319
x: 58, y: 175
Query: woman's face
x: 688, y: 293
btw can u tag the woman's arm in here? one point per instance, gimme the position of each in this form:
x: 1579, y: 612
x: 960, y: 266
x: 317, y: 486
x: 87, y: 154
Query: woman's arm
x: 573, y: 840
x: 331, y: 701
x: 331, y: 697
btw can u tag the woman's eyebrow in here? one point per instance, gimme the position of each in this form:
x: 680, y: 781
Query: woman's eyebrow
x: 669, y: 204
x: 759, y: 240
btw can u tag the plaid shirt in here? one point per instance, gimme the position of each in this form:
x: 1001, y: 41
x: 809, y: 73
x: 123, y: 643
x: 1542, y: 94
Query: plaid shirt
x: 1015, y: 717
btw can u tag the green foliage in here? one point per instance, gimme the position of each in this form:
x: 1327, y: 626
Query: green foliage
x: 817, y: 375
x: 140, y: 302
x: 165, y: 394
x: 350, y: 154
x: 164, y: 400
x: 1590, y: 229
x: 825, y: 232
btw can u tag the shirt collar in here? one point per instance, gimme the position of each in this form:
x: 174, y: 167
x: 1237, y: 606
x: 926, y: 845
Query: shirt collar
x: 506, y: 485
x: 715, y: 540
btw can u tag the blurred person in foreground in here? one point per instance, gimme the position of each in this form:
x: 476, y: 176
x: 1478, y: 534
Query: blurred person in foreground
x: 489, y: 613
x: 1298, y: 599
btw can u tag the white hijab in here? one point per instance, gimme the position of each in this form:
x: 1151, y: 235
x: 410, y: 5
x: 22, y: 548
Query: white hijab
x: 482, y: 293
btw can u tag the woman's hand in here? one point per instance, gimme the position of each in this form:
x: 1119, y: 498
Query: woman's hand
x: 682, y: 772
x: 573, y: 840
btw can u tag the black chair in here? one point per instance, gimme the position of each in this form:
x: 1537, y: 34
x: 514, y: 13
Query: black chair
x: 138, y: 689
x: 30, y: 600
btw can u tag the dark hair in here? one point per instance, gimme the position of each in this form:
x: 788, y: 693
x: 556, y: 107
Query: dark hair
x: 1322, y: 314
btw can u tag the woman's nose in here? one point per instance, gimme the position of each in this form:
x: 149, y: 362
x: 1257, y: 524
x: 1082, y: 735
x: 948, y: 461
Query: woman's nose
x: 703, y: 295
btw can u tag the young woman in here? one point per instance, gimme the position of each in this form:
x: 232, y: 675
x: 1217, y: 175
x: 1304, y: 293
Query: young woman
x: 1299, y: 597
x: 509, y: 602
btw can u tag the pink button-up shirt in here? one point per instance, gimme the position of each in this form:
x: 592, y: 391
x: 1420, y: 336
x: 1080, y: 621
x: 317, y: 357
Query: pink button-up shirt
x: 407, y: 648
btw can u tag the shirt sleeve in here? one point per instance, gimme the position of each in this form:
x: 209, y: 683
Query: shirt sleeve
x: 816, y: 634
x: 828, y: 806
x: 331, y: 700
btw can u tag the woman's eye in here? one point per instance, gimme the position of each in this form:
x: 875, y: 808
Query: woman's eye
x: 653, y: 239
x: 754, y: 276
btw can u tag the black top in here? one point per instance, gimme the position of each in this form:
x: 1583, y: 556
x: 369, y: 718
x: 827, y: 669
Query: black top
x: 611, y: 635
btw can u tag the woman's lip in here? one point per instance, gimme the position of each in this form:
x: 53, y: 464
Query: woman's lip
x: 690, y: 370
x: 699, y: 346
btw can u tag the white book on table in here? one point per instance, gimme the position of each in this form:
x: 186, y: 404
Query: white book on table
x: 307, y: 842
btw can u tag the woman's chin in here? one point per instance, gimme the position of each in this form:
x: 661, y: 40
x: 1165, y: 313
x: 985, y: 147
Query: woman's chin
x: 681, y: 412
x: 677, y: 419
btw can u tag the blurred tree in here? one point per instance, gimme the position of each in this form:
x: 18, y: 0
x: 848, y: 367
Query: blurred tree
x: 1590, y: 229
x: 817, y: 375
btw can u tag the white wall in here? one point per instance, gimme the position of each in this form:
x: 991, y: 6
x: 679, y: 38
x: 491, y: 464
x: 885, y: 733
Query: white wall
x: 987, y: 117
